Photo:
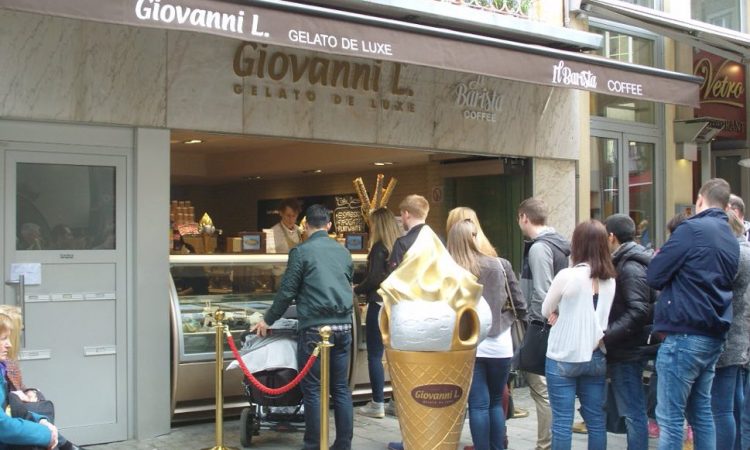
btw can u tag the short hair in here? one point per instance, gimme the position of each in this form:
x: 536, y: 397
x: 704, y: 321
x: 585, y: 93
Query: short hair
x: 535, y: 209
x: 291, y: 203
x: 622, y: 226
x: 716, y: 192
x: 675, y: 221
x: 589, y: 245
x: 735, y: 202
x: 317, y: 216
x: 416, y: 205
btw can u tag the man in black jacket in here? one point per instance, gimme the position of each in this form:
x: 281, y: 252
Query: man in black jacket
x: 630, y: 320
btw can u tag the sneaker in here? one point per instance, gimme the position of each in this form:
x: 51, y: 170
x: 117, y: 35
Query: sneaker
x: 390, y: 408
x: 520, y: 413
x: 653, y: 429
x: 395, y: 446
x: 372, y: 409
x: 580, y: 427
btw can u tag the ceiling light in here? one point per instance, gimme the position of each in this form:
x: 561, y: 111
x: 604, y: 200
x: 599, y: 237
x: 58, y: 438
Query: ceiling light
x: 313, y: 171
x: 384, y: 163
x: 255, y: 177
x: 744, y: 162
x: 193, y: 141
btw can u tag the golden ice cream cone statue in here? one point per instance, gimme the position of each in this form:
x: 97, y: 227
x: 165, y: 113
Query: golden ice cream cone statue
x: 430, y: 330
x: 380, y: 195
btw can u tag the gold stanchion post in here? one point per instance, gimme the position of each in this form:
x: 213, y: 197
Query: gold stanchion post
x: 218, y: 318
x: 325, y: 383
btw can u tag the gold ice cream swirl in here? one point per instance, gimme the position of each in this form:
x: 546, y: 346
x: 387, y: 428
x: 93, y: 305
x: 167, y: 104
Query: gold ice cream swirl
x: 429, y: 273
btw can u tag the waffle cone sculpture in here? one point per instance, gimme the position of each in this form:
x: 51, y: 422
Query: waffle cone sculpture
x: 430, y: 330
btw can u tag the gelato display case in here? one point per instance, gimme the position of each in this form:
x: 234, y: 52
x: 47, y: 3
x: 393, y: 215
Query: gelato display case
x: 243, y: 286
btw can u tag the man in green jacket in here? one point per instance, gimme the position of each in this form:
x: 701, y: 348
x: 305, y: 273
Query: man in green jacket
x: 319, y: 277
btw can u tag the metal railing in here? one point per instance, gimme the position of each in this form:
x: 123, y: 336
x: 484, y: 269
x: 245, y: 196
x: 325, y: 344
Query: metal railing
x: 518, y: 8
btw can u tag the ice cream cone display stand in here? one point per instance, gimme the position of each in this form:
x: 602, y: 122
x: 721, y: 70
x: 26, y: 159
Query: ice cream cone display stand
x: 431, y: 327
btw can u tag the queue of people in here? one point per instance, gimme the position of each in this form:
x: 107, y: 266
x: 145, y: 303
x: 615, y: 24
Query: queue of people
x: 612, y: 304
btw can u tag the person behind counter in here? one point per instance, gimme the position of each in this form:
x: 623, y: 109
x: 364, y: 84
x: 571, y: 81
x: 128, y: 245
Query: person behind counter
x: 384, y: 231
x: 319, y: 276
x: 286, y: 233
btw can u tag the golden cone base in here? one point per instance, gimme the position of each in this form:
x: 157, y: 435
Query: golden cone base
x: 431, y: 410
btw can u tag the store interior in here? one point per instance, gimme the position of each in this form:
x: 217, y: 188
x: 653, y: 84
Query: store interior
x: 238, y: 180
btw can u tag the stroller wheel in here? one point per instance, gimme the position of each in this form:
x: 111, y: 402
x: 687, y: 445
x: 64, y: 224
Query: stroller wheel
x: 248, y: 426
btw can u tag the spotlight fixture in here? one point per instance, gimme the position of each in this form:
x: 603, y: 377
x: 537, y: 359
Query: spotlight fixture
x: 313, y: 171
x: 193, y: 141
x: 254, y: 177
x: 383, y: 163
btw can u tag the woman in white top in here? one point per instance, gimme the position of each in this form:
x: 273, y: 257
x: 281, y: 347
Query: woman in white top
x: 577, y: 305
x: 492, y: 365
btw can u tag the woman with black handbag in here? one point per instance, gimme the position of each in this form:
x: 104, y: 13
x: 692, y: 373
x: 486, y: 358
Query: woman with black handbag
x: 578, y: 305
x: 492, y: 364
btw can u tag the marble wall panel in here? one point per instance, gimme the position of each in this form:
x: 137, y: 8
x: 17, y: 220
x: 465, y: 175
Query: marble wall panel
x: 122, y: 75
x: 200, y: 83
x: 38, y: 66
x: 555, y: 183
x: 63, y: 69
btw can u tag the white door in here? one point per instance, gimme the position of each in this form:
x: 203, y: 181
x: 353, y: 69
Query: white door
x: 64, y: 208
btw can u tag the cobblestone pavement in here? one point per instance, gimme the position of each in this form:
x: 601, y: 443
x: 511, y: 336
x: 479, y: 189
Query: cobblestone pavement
x: 369, y: 434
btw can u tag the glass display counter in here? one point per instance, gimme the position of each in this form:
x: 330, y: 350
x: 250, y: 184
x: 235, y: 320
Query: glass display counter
x: 242, y: 286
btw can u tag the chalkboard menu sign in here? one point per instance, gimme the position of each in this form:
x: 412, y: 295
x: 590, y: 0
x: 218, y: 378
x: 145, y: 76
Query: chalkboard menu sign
x: 346, y: 212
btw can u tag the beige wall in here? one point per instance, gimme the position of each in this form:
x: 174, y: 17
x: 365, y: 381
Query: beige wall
x: 71, y: 70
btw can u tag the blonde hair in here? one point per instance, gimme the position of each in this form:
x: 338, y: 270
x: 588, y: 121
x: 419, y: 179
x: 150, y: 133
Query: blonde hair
x: 463, y: 247
x: 384, y: 228
x: 13, y: 314
x: 464, y: 213
x: 738, y: 228
x: 6, y: 326
x: 416, y: 205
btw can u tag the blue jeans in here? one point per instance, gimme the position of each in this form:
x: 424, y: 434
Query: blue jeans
x: 626, y: 379
x: 587, y: 380
x: 340, y: 394
x: 374, y: 352
x: 486, y: 416
x: 727, y: 397
x: 745, y: 420
x: 685, y: 364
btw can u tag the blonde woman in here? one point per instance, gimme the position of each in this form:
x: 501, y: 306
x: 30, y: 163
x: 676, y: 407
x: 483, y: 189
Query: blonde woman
x: 384, y: 231
x: 492, y: 364
x: 485, y: 247
x: 37, y: 430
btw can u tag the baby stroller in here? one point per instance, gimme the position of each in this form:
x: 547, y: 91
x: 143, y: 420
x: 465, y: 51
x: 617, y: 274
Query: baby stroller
x: 272, y: 361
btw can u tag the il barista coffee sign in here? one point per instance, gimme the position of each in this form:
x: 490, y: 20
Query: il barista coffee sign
x: 722, y: 93
x: 319, y: 78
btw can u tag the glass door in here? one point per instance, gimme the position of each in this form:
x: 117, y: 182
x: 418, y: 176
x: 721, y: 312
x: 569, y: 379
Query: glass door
x: 623, y: 180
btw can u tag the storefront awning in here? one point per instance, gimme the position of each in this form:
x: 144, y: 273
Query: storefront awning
x: 337, y: 32
x: 717, y: 40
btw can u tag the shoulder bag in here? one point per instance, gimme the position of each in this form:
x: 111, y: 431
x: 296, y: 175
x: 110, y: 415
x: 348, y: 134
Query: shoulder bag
x: 532, y: 354
x: 22, y: 409
x: 518, y: 327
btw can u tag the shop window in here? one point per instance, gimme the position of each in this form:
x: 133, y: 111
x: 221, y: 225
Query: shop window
x: 641, y: 197
x: 605, y: 182
x: 630, y: 49
x: 65, y: 207
x: 722, y: 13
x: 644, y: 3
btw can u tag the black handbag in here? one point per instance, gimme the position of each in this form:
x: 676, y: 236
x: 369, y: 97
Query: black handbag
x: 23, y: 410
x: 532, y: 355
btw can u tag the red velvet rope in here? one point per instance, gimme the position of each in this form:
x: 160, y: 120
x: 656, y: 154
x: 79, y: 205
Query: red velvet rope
x: 265, y: 389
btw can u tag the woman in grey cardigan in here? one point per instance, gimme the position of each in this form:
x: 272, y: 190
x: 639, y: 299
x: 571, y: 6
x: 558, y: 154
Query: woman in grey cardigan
x: 727, y: 389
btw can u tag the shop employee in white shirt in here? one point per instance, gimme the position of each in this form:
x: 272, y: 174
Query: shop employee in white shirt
x: 286, y: 233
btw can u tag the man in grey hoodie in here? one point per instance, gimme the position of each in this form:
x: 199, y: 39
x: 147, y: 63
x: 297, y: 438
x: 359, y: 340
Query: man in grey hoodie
x: 545, y: 253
